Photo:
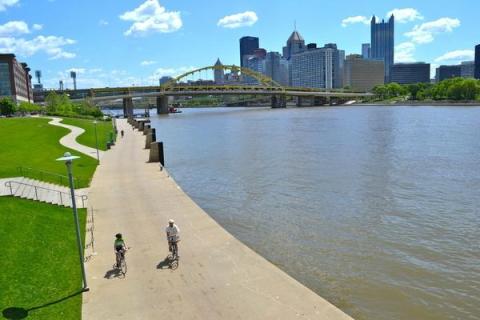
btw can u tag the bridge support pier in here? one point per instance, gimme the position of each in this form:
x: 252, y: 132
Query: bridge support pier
x: 162, y: 105
x: 127, y: 107
x: 279, y: 101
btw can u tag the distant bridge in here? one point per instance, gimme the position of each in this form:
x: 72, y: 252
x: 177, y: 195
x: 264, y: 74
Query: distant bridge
x: 177, y: 87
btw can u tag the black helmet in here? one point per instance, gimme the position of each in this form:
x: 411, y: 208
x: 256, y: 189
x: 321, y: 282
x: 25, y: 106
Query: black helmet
x: 118, y: 235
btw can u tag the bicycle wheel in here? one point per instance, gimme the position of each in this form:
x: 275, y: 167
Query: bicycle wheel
x: 123, y: 267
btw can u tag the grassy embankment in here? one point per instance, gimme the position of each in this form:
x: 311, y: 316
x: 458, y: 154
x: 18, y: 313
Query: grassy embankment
x: 104, y: 128
x: 32, y: 142
x: 40, y: 275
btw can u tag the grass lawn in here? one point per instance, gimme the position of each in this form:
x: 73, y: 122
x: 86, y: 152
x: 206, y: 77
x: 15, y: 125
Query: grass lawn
x: 88, y: 137
x: 39, y: 265
x: 32, y: 142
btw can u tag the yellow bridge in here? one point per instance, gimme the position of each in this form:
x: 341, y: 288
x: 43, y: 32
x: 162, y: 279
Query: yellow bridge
x: 178, y: 86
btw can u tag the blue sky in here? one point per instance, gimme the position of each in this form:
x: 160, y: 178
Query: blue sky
x: 112, y: 42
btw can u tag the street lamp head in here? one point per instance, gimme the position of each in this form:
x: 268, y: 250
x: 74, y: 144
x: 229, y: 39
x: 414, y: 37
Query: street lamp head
x: 67, y: 156
x: 95, y: 122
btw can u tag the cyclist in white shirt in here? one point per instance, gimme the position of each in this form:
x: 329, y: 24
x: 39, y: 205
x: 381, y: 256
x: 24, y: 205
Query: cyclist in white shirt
x: 173, y: 235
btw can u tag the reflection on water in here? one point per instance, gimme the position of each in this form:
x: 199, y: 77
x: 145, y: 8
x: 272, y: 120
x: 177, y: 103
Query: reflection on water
x: 374, y: 208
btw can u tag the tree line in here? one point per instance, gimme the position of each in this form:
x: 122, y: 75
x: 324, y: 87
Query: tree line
x: 55, y: 105
x: 456, y: 89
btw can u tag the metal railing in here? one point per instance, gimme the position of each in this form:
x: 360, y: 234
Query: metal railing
x: 90, y: 228
x: 62, y: 196
x: 28, y: 172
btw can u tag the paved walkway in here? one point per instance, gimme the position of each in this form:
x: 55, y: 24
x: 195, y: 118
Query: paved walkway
x: 218, y: 277
x: 70, y: 140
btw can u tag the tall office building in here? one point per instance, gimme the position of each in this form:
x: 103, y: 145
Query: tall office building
x: 477, y: 62
x: 383, y: 43
x: 447, y: 72
x: 318, y: 68
x: 15, y: 79
x: 410, y: 73
x: 467, y: 69
x: 366, y: 50
x: 363, y: 74
x: 295, y: 44
x: 276, y: 67
x: 273, y: 65
x: 219, y: 74
x: 247, y: 47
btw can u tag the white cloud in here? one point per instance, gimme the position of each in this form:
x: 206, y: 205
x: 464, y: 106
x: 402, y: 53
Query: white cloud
x: 425, y: 32
x: 102, y: 22
x: 356, y: 19
x: 50, y: 45
x: 456, y: 56
x: 37, y: 26
x: 160, y: 72
x: 147, y: 62
x: 150, y: 17
x: 7, y: 3
x: 404, y: 52
x: 405, y: 15
x: 244, y: 19
x: 13, y: 28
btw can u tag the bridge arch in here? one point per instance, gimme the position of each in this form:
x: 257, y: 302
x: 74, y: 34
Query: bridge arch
x: 261, y: 78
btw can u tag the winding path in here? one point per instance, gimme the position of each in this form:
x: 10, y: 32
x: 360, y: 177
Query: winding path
x: 218, y: 276
x: 70, y: 140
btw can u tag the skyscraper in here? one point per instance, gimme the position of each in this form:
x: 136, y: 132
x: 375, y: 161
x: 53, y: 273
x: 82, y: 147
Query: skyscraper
x: 382, y: 43
x: 366, y: 50
x: 247, y: 47
x: 295, y: 44
x: 477, y: 62
x: 318, y: 67
x: 218, y: 74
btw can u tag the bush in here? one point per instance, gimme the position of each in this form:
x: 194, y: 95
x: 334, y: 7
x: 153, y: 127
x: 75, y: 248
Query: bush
x: 7, y: 107
x: 62, y: 106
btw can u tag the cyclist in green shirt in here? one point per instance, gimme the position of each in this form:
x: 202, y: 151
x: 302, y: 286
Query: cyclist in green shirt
x: 119, y: 247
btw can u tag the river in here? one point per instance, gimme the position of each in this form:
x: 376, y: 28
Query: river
x: 374, y: 208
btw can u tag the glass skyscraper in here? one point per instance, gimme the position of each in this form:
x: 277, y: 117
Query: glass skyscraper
x: 247, y: 47
x: 382, y: 43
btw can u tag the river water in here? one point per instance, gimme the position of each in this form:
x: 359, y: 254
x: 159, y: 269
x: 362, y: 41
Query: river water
x: 374, y: 208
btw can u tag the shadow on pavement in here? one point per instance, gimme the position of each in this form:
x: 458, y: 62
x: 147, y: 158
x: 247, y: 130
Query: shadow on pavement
x: 114, y: 273
x: 17, y: 313
x: 165, y: 264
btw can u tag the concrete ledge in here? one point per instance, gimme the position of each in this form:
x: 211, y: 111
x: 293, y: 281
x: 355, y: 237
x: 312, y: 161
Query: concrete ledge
x: 156, y: 153
x: 151, y: 137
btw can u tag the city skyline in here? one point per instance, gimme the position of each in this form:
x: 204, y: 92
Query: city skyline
x: 137, y: 42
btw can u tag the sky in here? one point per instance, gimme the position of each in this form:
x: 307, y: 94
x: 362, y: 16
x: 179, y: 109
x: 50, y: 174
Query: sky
x: 135, y: 42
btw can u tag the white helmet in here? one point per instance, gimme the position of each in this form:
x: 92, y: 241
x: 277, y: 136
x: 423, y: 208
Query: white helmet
x: 171, y: 221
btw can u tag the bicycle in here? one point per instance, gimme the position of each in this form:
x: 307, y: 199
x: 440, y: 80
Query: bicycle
x: 173, y: 256
x: 121, y: 263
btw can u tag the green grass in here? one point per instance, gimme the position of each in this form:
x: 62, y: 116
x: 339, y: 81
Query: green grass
x: 39, y: 262
x: 32, y: 142
x: 88, y: 137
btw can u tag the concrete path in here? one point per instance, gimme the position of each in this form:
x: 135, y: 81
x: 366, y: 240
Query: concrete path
x: 218, y: 277
x: 70, y: 140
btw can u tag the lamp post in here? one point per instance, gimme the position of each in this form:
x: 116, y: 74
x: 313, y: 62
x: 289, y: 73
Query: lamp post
x: 96, y: 140
x: 68, y: 158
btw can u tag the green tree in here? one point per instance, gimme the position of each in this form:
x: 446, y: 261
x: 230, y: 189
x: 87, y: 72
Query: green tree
x: 7, y: 107
x: 27, y: 107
